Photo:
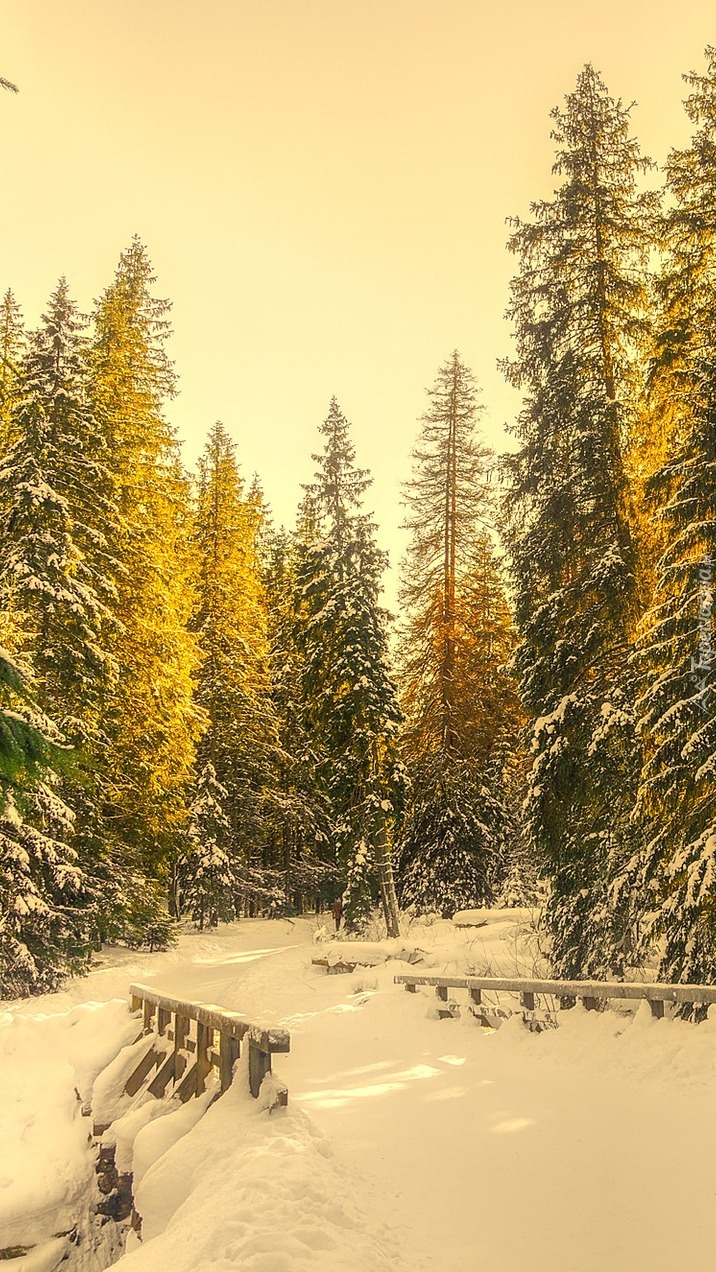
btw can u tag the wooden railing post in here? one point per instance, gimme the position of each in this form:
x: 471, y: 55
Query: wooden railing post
x: 229, y: 1052
x: 259, y: 1063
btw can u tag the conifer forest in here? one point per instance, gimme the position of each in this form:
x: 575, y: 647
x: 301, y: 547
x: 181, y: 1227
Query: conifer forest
x: 205, y: 715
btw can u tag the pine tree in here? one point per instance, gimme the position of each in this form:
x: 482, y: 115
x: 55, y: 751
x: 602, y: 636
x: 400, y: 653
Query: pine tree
x: 151, y: 722
x: 12, y: 348
x: 207, y: 877
x: 241, y: 741
x: 299, y: 807
x: 676, y: 660
x: 350, y: 709
x: 579, y: 308
x: 54, y: 496
x: 459, y: 701
x: 56, y: 585
x: 42, y: 902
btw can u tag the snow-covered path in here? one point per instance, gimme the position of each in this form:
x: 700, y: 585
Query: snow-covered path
x: 591, y: 1147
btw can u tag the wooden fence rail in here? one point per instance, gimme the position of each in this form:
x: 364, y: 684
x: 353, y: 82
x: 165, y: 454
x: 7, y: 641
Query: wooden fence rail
x: 204, y: 1038
x: 592, y: 994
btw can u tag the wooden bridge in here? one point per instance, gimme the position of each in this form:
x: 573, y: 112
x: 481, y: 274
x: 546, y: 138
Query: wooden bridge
x: 194, y: 1028
x: 188, y: 1041
x: 562, y: 994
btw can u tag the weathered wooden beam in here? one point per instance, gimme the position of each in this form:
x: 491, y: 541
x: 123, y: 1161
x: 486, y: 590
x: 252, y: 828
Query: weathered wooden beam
x: 590, y: 1003
x: 204, y: 1040
x: 604, y: 990
x: 229, y: 1051
x: 187, y: 1087
x: 181, y: 1031
x: 163, y: 1018
x: 259, y: 1066
x: 148, y: 1062
x: 527, y: 1000
x: 657, y: 1008
x: 164, y: 1075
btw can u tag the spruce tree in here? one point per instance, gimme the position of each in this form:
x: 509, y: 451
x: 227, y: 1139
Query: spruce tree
x: 349, y: 703
x: 43, y: 930
x: 206, y: 874
x: 459, y: 701
x: 151, y: 721
x: 677, y: 660
x: 241, y: 741
x: 56, y: 574
x: 12, y: 348
x: 299, y: 811
x: 579, y: 309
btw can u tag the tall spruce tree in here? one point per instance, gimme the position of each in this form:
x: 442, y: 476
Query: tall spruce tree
x: 43, y: 931
x: 299, y: 806
x: 460, y: 703
x: 579, y: 309
x: 349, y: 703
x: 12, y: 348
x: 677, y: 654
x: 56, y: 586
x: 151, y: 721
x: 241, y: 741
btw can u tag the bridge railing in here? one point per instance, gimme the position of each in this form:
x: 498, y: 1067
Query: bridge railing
x: 566, y: 993
x: 203, y: 1037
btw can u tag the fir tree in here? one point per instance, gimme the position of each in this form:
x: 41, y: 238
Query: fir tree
x: 207, y: 877
x: 42, y: 902
x: 12, y: 348
x: 350, y: 709
x: 460, y: 703
x: 579, y: 306
x: 676, y: 659
x: 309, y: 874
x: 233, y: 687
x: 150, y: 720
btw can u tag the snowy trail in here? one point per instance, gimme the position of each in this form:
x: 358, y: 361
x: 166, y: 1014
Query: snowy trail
x: 591, y: 1148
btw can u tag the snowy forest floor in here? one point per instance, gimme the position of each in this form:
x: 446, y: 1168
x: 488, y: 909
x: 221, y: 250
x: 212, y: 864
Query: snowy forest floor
x: 410, y: 1144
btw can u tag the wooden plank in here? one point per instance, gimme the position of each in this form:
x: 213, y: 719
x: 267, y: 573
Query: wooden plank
x: 651, y: 991
x: 259, y: 1066
x: 204, y: 1040
x: 164, y: 1075
x: 149, y: 1010
x: 187, y: 1087
x: 527, y: 1000
x: 229, y: 1051
x: 143, y: 1069
x: 163, y: 1018
x: 181, y: 1030
x: 208, y: 1015
x: 590, y: 1003
x: 657, y: 1008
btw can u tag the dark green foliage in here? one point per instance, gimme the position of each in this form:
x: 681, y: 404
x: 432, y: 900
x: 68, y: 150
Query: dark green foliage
x: 579, y: 306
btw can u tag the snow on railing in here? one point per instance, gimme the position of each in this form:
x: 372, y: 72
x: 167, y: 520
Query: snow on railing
x: 592, y: 994
x: 194, y: 1028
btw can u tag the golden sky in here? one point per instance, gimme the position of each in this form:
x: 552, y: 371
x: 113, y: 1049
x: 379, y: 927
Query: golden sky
x: 322, y: 186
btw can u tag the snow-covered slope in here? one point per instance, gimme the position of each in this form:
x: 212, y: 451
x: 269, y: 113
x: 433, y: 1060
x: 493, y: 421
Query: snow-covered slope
x: 410, y: 1144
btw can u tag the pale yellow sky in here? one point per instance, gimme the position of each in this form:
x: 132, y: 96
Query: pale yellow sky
x: 322, y: 186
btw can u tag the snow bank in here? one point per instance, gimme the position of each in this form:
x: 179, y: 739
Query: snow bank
x: 49, y: 1064
x: 369, y: 953
x: 256, y: 1191
x: 481, y: 917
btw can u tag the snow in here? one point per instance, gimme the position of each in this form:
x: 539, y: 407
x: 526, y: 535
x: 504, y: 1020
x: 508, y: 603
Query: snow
x: 481, y: 917
x: 410, y: 1144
